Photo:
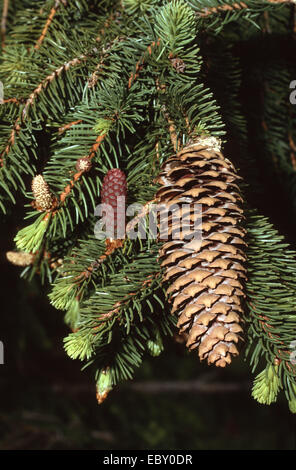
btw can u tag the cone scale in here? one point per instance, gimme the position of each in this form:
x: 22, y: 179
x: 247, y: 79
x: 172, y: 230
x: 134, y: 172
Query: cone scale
x: 205, y: 277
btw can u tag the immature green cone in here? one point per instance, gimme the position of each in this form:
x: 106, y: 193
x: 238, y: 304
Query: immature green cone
x: 266, y: 385
x: 104, y: 385
x: 155, y: 346
x: 292, y: 406
x: 292, y: 401
x: 206, y: 276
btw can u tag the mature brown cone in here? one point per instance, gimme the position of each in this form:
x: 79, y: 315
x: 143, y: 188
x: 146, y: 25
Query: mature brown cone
x: 206, y: 276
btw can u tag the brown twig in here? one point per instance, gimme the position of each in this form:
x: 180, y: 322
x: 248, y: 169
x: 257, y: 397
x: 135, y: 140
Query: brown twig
x: 13, y: 100
x: 293, y: 151
x: 3, y: 22
x: 140, y: 63
x: 78, y: 175
x: 103, y: 317
x: 10, y: 142
x: 205, y: 12
x: 172, y: 131
x: 65, y: 127
x: 93, y: 80
x: 47, y: 80
x: 172, y: 127
x: 220, y: 9
x: 52, y: 13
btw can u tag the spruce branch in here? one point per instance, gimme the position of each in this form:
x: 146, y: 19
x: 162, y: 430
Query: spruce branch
x: 129, y: 298
x: 175, y: 25
x: 271, y: 322
x: 13, y: 100
x: 33, y: 97
x: 50, y: 78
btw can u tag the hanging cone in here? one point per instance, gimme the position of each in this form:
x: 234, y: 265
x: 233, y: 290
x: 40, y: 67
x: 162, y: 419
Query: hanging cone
x: 104, y: 385
x: 206, y: 274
